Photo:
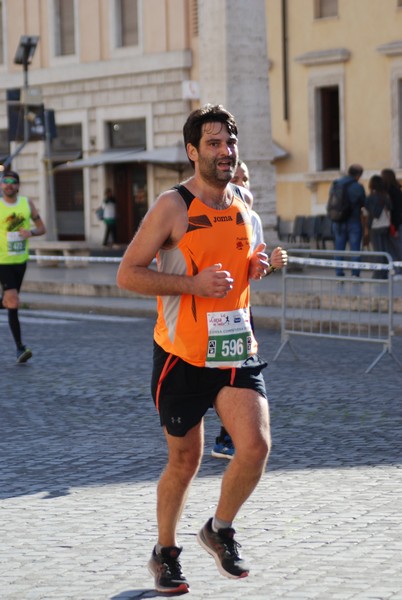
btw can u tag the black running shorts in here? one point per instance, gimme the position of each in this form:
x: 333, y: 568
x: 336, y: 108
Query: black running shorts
x: 11, y: 276
x: 183, y: 393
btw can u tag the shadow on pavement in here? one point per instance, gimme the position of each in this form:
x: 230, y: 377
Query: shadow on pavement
x: 140, y: 594
x: 80, y: 413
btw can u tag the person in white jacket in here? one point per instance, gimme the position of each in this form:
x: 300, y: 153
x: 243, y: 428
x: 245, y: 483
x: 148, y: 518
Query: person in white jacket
x: 223, y: 447
x: 242, y: 178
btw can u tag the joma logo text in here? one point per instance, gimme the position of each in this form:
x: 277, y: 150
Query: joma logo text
x: 219, y: 219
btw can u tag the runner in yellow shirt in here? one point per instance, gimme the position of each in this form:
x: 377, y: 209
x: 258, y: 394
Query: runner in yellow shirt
x: 16, y: 214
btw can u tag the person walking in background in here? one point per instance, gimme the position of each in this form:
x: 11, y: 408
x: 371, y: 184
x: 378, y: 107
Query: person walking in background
x: 205, y: 353
x: 242, y: 178
x: 378, y: 207
x: 351, y: 230
x: 16, y: 214
x: 109, y: 217
x: 393, y: 187
x: 224, y: 447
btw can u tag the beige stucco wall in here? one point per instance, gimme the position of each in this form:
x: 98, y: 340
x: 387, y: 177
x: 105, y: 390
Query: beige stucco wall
x: 369, y: 136
x: 165, y: 28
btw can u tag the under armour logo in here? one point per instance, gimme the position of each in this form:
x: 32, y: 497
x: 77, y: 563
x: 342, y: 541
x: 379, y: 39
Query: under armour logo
x: 175, y: 420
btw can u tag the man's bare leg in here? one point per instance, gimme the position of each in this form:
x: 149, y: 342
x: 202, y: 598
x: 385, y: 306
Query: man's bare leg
x: 184, y: 459
x: 245, y: 415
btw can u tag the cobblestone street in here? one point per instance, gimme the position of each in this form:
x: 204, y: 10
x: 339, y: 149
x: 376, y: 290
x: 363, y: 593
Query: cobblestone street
x: 82, y: 450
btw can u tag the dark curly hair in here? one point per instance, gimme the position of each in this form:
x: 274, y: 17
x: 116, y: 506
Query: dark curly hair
x: 209, y: 113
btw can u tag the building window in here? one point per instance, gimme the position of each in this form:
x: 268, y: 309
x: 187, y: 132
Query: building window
x: 4, y: 145
x: 328, y: 128
x: 126, y: 23
x: 64, y: 27
x: 325, y: 8
x: 326, y: 121
x: 127, y: 134
x: 69, y: 187
x: 1, y: 35
x: 68, y: 139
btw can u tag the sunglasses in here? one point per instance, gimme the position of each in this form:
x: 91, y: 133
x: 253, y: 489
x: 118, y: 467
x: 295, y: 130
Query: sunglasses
x: 9, y: 180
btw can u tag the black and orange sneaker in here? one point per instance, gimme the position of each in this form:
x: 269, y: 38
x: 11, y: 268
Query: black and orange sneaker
x: 166, y: 569
x: 224, y: 548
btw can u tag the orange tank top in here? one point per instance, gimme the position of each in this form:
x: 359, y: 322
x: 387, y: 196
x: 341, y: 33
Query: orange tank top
x: 212, y: 332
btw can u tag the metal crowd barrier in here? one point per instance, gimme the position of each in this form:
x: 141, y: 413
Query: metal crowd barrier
x: 77, y: 259
x: 315, y: 302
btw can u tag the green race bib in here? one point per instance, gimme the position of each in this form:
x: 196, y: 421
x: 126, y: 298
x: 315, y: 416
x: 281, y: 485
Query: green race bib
x: 16, y: 244
x: 229, y: 338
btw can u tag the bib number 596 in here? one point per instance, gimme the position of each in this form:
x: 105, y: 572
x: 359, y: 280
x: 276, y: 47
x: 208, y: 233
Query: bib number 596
x: 233, y: 347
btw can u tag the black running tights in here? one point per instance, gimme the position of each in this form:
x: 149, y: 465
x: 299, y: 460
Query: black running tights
x: 14, y: 323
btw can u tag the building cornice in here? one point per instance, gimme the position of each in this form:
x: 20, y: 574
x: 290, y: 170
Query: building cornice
x: 323, y: 57
x: 391, y: 49
x: 98, y: 70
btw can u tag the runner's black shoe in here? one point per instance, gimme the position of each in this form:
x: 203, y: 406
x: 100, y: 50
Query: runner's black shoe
x: 23, y: 354
x: 224, y: 548
x: 165, y: 567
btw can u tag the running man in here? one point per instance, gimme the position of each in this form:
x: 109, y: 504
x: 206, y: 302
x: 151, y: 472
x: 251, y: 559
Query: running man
x: 201, y: 234
x: 16, y: 214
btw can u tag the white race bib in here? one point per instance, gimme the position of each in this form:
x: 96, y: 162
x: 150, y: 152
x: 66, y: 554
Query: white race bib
x: 229, y: 338
x: 16, y: 244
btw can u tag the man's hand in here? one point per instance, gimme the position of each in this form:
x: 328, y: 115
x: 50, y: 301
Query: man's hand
x: 278, y: 258
x: 212, y: 282
x: 258, y: 266
x: 25, y: 233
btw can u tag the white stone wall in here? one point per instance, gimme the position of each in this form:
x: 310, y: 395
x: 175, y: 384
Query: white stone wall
x: 234, y: 72
x: 92, y: 101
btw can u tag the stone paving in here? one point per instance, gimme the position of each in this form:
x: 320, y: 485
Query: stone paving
x: 81, y: 452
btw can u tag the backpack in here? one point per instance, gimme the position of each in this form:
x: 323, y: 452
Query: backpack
x: 339, y: 206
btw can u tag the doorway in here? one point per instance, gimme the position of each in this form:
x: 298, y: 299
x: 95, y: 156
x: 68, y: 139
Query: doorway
x: 69, y: 192
x: 330, y: 128
x: 130, y: 190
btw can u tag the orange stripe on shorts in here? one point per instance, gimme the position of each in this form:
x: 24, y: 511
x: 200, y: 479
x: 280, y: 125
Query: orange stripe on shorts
x: 168, y: 366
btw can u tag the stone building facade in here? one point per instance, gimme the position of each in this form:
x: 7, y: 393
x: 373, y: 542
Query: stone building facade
x: 121, y: 77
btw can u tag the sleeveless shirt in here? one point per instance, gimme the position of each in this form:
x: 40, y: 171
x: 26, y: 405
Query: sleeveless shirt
x: 212, y: 332
x: 13, y: 248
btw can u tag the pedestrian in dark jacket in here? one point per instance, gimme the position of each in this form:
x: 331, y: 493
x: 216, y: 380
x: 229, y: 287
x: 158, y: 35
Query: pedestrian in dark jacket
x: 351, y: 230
x: 394, y: 190
x: 378, y: 207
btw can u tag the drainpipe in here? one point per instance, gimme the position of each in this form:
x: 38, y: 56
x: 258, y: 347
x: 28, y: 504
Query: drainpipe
x: 285, y: 74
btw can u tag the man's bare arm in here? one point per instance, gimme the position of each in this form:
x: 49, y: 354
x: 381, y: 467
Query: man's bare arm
x: 166, y: 220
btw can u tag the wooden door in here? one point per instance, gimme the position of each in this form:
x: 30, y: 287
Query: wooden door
x: 130, y: 190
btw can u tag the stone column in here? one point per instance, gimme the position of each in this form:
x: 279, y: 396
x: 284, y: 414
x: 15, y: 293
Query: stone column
x: 234, y: 72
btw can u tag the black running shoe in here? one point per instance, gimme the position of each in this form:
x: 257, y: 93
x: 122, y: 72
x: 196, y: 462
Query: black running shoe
x: 224, y: 548
x: 23, y: 354
x: 166, y: 569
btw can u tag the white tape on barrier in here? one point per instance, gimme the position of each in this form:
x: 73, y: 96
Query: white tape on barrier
x: 86, y: 259
x: 318, y: 262
x: 322, y: 262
